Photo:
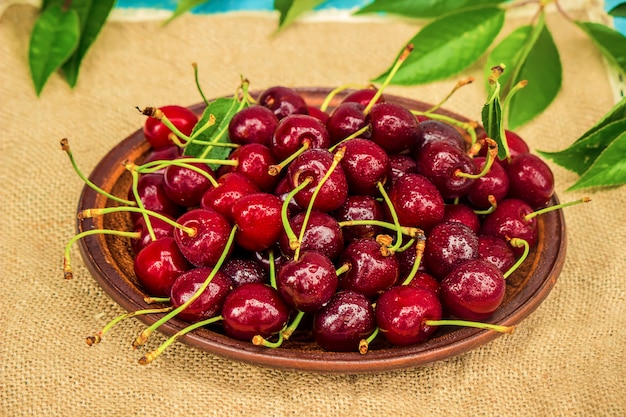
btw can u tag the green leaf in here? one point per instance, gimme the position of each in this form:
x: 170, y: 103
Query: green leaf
x: 223, y: 109
x: 609, y: 169
x: 92, y: 16
x: 53, y: 40
x: 611, y: 43
x: 290, y: 10
x: 582, y: 154
x: 543, y: 71
x: 448, y: 45
x: 423, y: 9
x: 492, y: 115
x: 619, y: 10
x: 182, y: 7
x: 507, y: 52
x: 618, y: 112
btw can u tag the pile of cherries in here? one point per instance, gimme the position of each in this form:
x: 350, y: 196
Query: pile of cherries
x: 370, y: 219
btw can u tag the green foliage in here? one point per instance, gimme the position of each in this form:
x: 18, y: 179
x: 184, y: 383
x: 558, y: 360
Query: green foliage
x: 619, y: 10
x: 290, y: 10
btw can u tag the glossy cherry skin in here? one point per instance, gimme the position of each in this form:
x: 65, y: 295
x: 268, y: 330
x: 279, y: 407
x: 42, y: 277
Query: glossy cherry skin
x: 185, y: 186
x: 254, y: 309
x: 417, y: 202
x: 363, y: 96
x: 449, y: 244
x: 473, y: 290
x: 151, y: 190
x: 231, y: 187
x: 370, y: 272
x: 160, y: 228
x: 509, y: 221
x: 158, y: 265
x: 400, y: 165
x: 360, y: 207
x: 439, y: 131
x: 427, y: 281
x: 462, y: 213
x: 344, y: 120
x: 283, y: 101
x: 242, y: 270
x: 296, y: 130
x: 531, y: 180
x: 401, y: 313
x: 439, y: 162
x: 343, y: 322
x: 254, y: 161
x: 516, y: 145
x: 494, y: 183
x: 308, y: 282
x: 157, y: 134
x: 323, y: 234
x: 496, y: 251
x: 212, y: 231
x: 165, y: 153
x: 365, y: 164
x: 315, y: 163
x: 258, y: 220
x: 316, y: 112
x: 253, y: 124
x: 209, y: 302
x: 394, y: 128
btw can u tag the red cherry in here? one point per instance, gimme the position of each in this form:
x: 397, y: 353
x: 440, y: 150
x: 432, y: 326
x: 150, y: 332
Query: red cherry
x: 158, y: 265
x: 157, y: 134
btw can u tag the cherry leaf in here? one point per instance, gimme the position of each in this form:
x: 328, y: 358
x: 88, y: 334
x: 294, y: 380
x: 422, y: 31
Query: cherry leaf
x: 618, y: 11
x: 92, y: 15
x: 421, y: 9
x: 543, y: 71
x: 611, y: 43
x: 222, y: 109
x: 54, y: 38
x: 492, y: 114
x: 182, y: 7
x: 290, y: 10
x: 448, y: 45
x: 609, y: 169
x: 582, y: 154
x: 618, y: 112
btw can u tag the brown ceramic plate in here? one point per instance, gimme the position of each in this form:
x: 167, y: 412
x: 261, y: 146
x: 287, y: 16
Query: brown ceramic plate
x: 109, y: 259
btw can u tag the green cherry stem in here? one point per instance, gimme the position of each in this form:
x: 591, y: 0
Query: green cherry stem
x: 65, y: 146
x: 152, y: 355
x: 195, y: 76
x: 518, y: 243
x: 158, y: 114
x: 272, y: 262
x: 458, y: 85
x: 555, y: 207
x: 336, y: 91
x: 275, y: 169
x: 143, y: 337
x: 97, y: 338
x: 67, y: 267
x: 406, y: 230
x: 132, y: 168
x: 491, y: 209
x: 352, y: 136
x: 419, y: 252
x: 364, y: 344
x: 288, y: 331
x: 345, y: 267
x: 259, y: 340
x: 156, y: 300
x: 394, y: 216
x: 505, y: 105
x: 466, y: 323
x: 469, y: 127
x: 293, y: 239
x: 492, y: 154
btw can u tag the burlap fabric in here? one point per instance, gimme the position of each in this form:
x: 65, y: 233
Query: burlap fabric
x: 567, y: 358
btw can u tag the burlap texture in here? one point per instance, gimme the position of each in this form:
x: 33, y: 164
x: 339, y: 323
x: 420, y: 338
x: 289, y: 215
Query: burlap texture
x: 567, y: 358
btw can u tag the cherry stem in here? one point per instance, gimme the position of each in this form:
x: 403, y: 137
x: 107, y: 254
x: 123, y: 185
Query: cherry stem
x: 195, y: 76
x: 217, y: 145
x: 289, y: 330
x: 337, y: 157
x: 155, y: 300
x: 364, y: 344
x: 151, y: 356
x: 210, y: 122
x: 465, y: 323
x: 505, y: 105
x: 406, y: 246
x: 494, y: 205
x: 345, y: 267
x: 272, y: 262
x: 352, y: 136
x: 92, y: 212
x: 459, y: 84
x: 276, y: 168
x: 293, y: 239
x: 492, y: 153
x: 223, y: 129
x: 97, y: 338
x: 158, y: 114
x: 135, y: 175
x: 419, y: 252
x: 67, y: 267
x: 259, y: 340
x: 394, y: 216
x: 65, y: 146
x: 403, y: 56
x: 518, y: 243
x: 336, y: 91
x: 143, y: 337
x: 555, y: 207
x: 469, y: 127
x: 409, y: 231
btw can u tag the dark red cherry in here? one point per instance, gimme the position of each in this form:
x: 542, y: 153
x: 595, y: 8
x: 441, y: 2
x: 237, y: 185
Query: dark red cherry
x: 243, y: 270
x: 495, y: 183
x: 152, y: 195
x: 462, y: 213
x: 401, y: 313
x: 343, y: 322
x: 308, y: 282
x: 160, y: 228
x: 516, y: 145
x: 393, y: 127
x: 316, y: 112
x: 473, y: 290
x: 158, y: 265
x: 400, y: 165
x: 406, y: 260
x: 315, y: 163
x: 417, y: 202
x: 496, y: 251
x: 344, y: 120
x: 296, y: 130
x: 211, y: 232
x: 370, y: 272
x: 531, y: 180
x: 448, y: 245
x: 439, y: 131
x: 258, y: 220
x: 157, y: 134
x: 360, y: 207
x: 254, y: 309
x: 253, y: 124
x: 254, y: 161
x: 185, y: 186
x: 209, y: 302
x: 283, y: 101
x: 323, y: 234
x: 509, y: 221
x: 165, y: 153
x: 363, y: 96
x: 365, y: 164
x: 427, y: 281
x: 231, y: 187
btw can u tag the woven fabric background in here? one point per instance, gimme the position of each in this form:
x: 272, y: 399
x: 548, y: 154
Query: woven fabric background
x: 565, y: 359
